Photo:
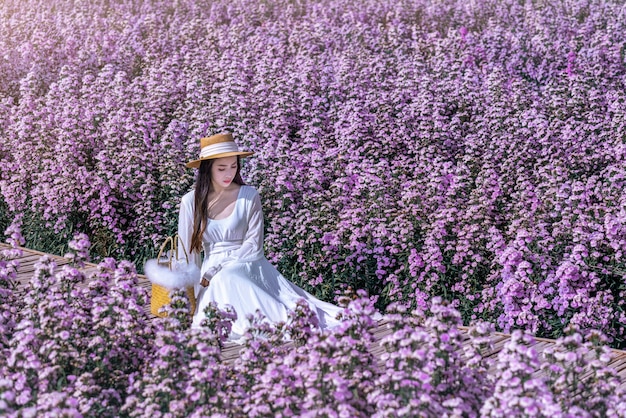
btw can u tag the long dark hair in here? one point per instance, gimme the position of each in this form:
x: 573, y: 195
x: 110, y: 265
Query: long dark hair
x: 201, y: 201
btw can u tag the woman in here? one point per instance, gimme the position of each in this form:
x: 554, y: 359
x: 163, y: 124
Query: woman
x: 223, y: 217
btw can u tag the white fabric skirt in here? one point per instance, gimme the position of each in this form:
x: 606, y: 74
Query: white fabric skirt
x: 257, y: 285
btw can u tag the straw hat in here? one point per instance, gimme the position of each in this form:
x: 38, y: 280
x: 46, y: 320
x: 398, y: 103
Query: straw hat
x: 217, y: 146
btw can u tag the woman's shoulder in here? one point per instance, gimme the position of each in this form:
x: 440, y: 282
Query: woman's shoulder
x: 248, y: 191
x: 251, y: 196
x: 187, y: 198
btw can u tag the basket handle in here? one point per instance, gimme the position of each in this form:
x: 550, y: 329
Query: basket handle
x: 176, y: 240
x: 169, y: 258
x: 173, y: 242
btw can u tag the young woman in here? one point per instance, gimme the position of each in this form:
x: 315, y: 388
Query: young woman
x: 223, y: 218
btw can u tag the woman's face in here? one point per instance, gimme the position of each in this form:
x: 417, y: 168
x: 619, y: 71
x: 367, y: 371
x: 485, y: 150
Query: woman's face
x: 223, y: 172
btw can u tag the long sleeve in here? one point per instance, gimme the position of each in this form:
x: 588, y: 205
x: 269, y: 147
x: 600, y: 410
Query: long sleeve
x: 185, y: 227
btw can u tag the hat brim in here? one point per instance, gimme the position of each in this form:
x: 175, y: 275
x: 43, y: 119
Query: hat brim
x: 196, y: 163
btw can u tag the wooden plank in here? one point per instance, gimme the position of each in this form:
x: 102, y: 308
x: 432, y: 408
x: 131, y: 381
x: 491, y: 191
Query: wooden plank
x: 619, y: 365
x: 24, y: 276
x: 498, y: 345
x: 28, y: 259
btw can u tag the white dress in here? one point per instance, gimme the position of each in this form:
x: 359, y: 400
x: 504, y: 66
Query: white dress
x: 245, y: 279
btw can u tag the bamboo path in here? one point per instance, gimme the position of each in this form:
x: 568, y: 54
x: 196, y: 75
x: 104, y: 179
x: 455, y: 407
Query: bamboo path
x: 231, y: 351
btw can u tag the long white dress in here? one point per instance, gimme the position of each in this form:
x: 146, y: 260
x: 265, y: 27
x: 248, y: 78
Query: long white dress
x: 245, y: 279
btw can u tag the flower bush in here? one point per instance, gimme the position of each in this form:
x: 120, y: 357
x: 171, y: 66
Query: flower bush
x: 84, y: 347
x: 472, y: 151
x: 73, y: 345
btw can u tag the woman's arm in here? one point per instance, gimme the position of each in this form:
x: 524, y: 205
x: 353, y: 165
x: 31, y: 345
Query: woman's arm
x: 185, y: 228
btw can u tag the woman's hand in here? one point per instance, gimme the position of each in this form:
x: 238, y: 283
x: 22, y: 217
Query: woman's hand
x: 206, y: 278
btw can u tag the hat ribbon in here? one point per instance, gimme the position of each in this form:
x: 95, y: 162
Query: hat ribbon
x: 218, y: 148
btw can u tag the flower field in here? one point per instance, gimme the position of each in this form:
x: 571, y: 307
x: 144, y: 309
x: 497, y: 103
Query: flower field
x: 81, y: 344
x: 467, y: 150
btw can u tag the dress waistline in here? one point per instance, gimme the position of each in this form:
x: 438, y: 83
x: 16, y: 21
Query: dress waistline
x: 222, y: 246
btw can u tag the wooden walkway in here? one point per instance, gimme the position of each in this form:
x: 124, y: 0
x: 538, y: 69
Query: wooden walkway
x: 231, y: 350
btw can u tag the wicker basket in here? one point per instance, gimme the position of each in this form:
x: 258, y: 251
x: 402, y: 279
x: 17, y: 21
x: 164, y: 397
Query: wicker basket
x: 160, y: 295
